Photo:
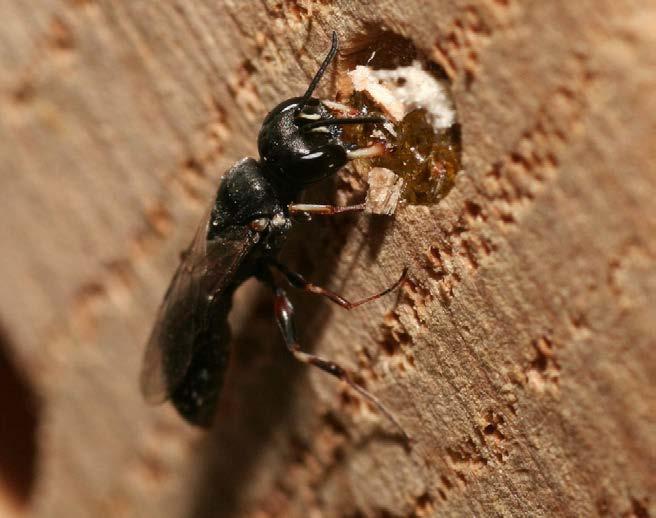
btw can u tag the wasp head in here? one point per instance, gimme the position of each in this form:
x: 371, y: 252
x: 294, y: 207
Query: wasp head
x: 298, y: 144
x: 300, y: 141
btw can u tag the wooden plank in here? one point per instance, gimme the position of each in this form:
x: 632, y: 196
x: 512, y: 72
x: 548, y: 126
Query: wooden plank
x: 519, y: 353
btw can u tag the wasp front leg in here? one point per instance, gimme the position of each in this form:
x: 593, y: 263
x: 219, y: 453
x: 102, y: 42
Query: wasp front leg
x: 323, y: 210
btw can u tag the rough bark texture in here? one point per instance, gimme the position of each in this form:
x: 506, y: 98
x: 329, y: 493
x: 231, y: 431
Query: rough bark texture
x: 519, y: 354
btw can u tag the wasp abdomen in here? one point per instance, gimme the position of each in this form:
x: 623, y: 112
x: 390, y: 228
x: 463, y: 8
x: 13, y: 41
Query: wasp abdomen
x: 197, y: 396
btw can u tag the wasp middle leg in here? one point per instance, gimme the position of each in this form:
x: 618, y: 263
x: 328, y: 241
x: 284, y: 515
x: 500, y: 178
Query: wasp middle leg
x: 296, y: 280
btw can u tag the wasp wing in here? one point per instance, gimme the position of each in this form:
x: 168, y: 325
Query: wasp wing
x: 206, y: 269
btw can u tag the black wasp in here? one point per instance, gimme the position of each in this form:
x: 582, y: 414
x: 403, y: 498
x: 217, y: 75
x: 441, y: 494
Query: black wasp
x: 240, y: 236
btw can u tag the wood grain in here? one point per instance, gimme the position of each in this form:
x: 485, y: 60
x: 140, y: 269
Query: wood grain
x: 519, y: 353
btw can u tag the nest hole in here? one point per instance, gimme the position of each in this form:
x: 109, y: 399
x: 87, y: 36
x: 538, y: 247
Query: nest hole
x: 423, y: 147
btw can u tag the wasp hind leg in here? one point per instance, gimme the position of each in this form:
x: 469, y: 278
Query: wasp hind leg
x: 284, y: 312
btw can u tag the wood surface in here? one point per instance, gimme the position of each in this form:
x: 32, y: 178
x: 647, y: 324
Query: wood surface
x: 519, y: 353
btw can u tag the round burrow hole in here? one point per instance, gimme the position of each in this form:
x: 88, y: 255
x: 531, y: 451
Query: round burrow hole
x: 19, y: 420
x: 385, y: 74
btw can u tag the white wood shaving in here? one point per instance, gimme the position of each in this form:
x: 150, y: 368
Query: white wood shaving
x: 384, y: 191
x: 404, y: 89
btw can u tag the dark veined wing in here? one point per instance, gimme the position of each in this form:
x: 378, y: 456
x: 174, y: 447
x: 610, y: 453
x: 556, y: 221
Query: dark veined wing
x: 207, y: 268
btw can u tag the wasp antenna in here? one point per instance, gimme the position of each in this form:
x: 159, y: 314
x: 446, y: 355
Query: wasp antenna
x: 342, y: 122
x: 317, y: 77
